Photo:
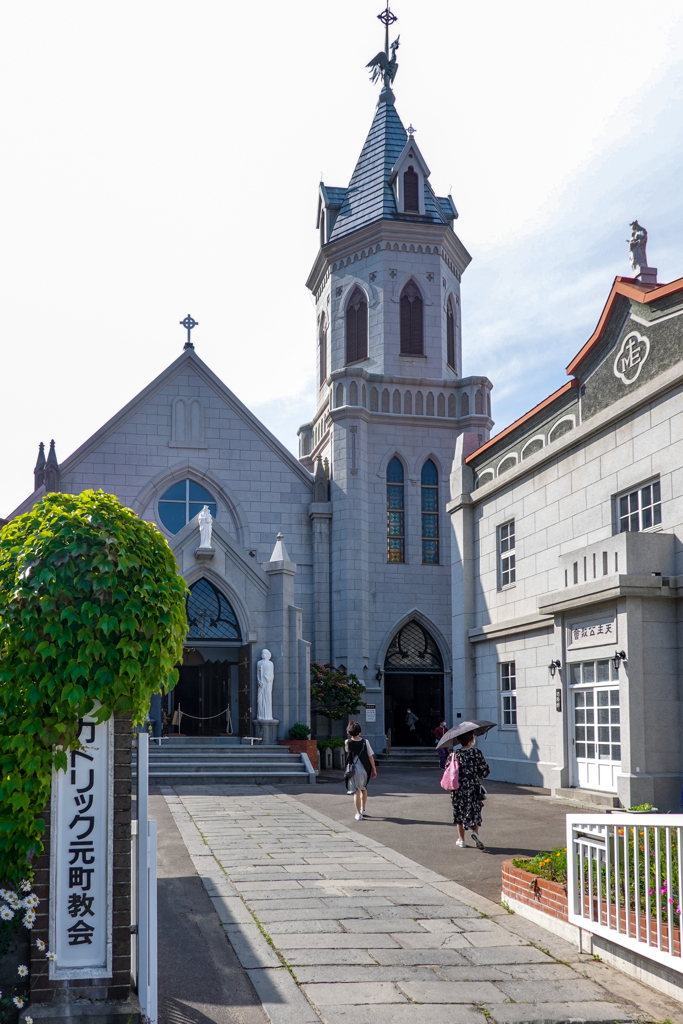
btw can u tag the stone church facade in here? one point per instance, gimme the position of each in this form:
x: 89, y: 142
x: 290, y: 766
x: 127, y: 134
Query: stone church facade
x: 361, y: 575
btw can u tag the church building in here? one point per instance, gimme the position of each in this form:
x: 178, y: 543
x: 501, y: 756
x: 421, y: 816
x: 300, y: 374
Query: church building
x: 343, y: 555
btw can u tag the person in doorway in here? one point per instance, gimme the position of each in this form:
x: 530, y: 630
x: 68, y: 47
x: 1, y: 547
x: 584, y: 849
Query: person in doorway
x: 411, y: 721
x: 360, y: 766
x: 439, y: 734
x: 468, y: 798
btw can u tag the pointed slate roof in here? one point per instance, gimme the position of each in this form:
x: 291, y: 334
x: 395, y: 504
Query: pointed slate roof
x: 370, y: 196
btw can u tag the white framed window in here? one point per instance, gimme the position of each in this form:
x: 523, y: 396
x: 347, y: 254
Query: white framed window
x: 508, y: 695
x: 640, y: 509
x: 506, y: 553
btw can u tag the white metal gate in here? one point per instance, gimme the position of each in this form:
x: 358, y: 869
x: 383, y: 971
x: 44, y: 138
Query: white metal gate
x: 144, y: 890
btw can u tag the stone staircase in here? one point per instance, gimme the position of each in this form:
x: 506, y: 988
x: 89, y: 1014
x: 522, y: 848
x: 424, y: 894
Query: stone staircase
x: 409, y: 757
x: 220, y: 761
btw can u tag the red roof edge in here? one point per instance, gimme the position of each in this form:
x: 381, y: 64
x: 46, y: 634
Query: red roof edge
x: 527, y: 415
x: 631, y: 289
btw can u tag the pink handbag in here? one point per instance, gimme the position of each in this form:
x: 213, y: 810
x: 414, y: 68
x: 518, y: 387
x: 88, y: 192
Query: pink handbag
x: 449, y: 779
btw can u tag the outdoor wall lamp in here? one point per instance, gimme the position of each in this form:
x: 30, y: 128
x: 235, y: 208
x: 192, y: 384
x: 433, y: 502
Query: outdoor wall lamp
x: 619, y: 656
x: 378, y: 675
x: 553, y: 666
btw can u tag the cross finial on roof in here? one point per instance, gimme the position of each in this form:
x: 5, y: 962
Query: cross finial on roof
x: 383, y: 66
x: 410, y: 130
x: 188, y: 323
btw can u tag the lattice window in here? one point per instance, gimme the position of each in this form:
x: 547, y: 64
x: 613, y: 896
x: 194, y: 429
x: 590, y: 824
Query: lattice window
x: 506, y: 554
x: 640, y: 509
x: 209, y: 614
x: 182, y: 502
x: 413, y: 650
x: 395, y: 512
x: 508, y: 694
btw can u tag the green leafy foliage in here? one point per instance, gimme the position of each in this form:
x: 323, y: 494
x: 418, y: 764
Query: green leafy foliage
x: 552, y: 866
x: 299, y: 731
x: 338, y: 741
x: 334, y: 692
x: 91, y: 610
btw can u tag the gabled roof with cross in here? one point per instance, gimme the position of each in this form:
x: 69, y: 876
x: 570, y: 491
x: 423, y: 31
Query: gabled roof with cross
x: 370, y: 196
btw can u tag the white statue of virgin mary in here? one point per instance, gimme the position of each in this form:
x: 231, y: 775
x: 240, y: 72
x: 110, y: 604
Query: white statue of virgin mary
x: 265, y: 674
x: 205, y: 520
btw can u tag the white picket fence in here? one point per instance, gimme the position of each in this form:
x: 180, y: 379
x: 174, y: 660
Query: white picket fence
x: 144, y: 891
x: 624, y: 875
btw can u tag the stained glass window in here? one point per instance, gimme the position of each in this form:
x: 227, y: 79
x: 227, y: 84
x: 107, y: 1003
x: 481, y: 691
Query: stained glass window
x: 209, y: 614
x: 430, y: 514
x: 395, y: 512
x: 183, y: 502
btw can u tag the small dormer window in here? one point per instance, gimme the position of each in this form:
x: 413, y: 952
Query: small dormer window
x: 411, y: 182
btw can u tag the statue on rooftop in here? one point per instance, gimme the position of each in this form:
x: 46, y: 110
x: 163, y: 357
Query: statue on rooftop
x: 637, y: 248
x: 205, y: 520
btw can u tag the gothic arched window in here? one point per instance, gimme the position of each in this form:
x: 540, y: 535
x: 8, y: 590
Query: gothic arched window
x: 430, y: 513
x: 322, y: 349
x: 411, y: 321
x: 465, y: 404
x: 411, y: 184
x: 209, y: 614
x: 450, y: 335
x: 395, y: 512
x: 357, y: 327
x: 183, y: 502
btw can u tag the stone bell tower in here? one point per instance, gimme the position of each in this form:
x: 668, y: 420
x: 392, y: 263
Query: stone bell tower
x: 386, y: 282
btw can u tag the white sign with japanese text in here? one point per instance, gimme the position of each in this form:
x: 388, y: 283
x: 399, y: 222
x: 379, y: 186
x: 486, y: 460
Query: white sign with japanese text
x: 592, y: 633
x: 370, y: 712
x: 81, y: 856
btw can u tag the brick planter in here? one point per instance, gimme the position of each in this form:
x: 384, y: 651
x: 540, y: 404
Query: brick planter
x: 534, y: 891
x: 309, y: 747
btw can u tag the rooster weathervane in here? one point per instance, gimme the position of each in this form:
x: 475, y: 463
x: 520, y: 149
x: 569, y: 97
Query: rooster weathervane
x: 383, y: 66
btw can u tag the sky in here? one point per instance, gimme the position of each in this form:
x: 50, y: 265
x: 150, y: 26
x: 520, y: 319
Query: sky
x: 163, y: 157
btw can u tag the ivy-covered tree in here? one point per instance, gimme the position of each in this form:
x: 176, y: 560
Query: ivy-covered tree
x: 334, y: 692
x: 91, y: 609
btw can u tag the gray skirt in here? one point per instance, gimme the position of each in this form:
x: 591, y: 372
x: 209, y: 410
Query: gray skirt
x: 359, y: 779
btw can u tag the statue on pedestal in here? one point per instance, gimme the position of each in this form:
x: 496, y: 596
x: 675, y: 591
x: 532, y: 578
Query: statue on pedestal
x: 205, y: 521
x: 265, y: 674
x: 637, y: 248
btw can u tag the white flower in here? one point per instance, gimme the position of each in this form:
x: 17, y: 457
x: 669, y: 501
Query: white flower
x: 26, y: 885
x: 31, y: 901
x: 29, y: 918
x: 6, y: 914
x: 23, y: 970
x: 29, y: 1020
x: 18, y: 1002
x: 41, y: 945
x: 50, y: 956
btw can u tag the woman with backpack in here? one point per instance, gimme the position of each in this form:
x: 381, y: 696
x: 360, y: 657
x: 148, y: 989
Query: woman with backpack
x: 360, y: 765
x: 468, y: 798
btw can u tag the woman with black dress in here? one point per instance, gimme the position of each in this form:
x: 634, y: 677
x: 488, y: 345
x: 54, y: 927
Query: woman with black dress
x: 468, y: 799
x: 360, y: 766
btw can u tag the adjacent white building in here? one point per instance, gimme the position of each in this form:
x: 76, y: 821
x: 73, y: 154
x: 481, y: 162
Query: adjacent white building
x: 568, y: 566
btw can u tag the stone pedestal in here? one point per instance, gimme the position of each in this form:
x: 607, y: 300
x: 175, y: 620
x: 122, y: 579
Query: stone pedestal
x: 204, y: 554
x: 268, y: 729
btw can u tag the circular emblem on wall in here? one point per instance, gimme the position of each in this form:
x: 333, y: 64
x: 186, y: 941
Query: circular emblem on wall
x: 629, y: 360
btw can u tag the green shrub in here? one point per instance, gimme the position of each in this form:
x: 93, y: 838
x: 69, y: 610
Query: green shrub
x: 334, y: 692
x: 92, y: 609
x: 338, y: 741
x: 299, y: 732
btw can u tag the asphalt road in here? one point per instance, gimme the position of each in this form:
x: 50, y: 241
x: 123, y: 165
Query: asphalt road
x: 410, y: 813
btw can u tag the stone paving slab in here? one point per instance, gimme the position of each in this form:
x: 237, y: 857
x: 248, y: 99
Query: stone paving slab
x: 335, y: 927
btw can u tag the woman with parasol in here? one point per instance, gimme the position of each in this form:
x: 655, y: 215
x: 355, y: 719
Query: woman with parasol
x: 468, y: 798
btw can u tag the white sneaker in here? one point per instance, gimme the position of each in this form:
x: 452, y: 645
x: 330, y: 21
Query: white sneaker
x: 359, y: 817
x: 460, y: 842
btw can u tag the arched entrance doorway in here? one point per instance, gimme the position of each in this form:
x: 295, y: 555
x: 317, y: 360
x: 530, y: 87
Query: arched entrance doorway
x: 213, y: 691
x: 413, y: 678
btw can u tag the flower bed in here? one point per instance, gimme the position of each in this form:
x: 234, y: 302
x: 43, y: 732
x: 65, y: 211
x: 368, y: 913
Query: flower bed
x: 309, y: 747
x: 534, y: 890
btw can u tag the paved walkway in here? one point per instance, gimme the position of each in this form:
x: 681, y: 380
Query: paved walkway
x: 330, y: 924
